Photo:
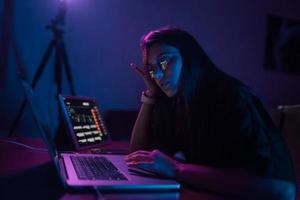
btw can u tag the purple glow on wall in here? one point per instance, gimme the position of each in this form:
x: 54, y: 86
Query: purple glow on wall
x: 102, y: 39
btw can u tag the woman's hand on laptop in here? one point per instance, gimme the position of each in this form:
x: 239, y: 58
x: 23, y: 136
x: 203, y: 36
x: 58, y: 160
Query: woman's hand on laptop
x: 154, y: 161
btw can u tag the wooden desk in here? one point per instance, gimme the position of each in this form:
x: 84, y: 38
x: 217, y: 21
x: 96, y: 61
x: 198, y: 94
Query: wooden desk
x: 30, y: 174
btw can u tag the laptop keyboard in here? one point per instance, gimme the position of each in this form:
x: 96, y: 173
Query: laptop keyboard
x: 95, y: 168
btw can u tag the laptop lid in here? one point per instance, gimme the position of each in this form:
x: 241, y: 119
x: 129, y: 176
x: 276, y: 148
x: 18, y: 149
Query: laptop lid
x: 85, y: 125
x: 41, y: 123
x: 38, y: 117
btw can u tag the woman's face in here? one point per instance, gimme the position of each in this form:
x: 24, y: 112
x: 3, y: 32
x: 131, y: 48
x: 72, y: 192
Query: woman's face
x: 164, y: 63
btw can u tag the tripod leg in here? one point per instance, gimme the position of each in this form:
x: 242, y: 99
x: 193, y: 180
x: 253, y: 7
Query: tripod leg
x: 33, y: 84
x: 42, y: 66
x: 58, y: 66
x: 60, y: 136
x: 68, y: 69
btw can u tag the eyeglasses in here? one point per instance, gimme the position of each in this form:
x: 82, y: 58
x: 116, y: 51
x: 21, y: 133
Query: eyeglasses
x: 162, y: 65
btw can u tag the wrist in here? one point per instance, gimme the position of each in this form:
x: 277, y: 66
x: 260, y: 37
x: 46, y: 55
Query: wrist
x: 178, y: 170
x: 146, y: 99
x: 150, y: 94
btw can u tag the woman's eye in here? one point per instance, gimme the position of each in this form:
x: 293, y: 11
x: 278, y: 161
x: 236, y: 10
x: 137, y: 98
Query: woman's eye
x: 151, y: 74
x: 164, y: 64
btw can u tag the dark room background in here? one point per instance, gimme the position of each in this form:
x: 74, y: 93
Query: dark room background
x: 102, y: 38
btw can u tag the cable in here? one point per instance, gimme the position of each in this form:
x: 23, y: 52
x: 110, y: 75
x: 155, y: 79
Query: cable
x: 31, y: 147
x: 24, y: 145
x: 98, y: 194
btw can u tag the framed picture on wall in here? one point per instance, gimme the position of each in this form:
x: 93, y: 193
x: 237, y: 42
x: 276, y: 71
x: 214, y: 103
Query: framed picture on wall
x: 282, y: 50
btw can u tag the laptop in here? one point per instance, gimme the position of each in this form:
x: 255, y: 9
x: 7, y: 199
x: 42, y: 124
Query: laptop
x: 104, y: 172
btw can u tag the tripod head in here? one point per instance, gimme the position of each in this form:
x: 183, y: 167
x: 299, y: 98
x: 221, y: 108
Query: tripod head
x: 59, y: 19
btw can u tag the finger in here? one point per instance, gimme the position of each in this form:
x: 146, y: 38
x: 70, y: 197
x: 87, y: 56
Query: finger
x: 144, y: 164
x: 143, y: 72
x: 146, y: 69
x: 138, y: 152
x: 138, y: 69
x: 139, y: 158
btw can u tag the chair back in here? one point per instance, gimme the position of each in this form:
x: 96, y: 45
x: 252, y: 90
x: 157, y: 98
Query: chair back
x: 290, y: 128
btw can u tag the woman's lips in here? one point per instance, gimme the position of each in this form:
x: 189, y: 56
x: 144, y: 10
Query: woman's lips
x: 165, y: 85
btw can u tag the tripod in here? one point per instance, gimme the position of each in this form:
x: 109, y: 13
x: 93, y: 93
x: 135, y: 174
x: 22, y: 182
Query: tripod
x: 61, y: 59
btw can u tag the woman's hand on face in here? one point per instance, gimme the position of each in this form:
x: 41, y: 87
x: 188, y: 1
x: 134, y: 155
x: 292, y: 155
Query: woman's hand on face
x: 150, y: 84
x: 154, y: 161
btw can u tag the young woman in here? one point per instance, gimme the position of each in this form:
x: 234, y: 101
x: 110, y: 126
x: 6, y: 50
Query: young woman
x: 204, y: 127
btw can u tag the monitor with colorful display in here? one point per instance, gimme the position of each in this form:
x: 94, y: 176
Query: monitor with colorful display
x: 84, y: 123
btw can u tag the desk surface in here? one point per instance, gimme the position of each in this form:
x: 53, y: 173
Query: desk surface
x: 31, y: 174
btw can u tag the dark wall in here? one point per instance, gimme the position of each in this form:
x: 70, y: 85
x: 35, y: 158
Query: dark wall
x: 102, y: 38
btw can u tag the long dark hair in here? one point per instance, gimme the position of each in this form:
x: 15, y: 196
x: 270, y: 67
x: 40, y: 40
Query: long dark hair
x: 196, y: 65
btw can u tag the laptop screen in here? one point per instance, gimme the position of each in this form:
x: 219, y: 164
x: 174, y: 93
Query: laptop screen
x: 83, y: 120
x: 38, y: 117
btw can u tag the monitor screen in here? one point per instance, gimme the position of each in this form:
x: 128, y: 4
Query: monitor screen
x: 84, y: 122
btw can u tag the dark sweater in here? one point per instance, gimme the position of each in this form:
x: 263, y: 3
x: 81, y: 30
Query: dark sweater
x: 225, y: 126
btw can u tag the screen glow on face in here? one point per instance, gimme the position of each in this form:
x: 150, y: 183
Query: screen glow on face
x: 162, y: 64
